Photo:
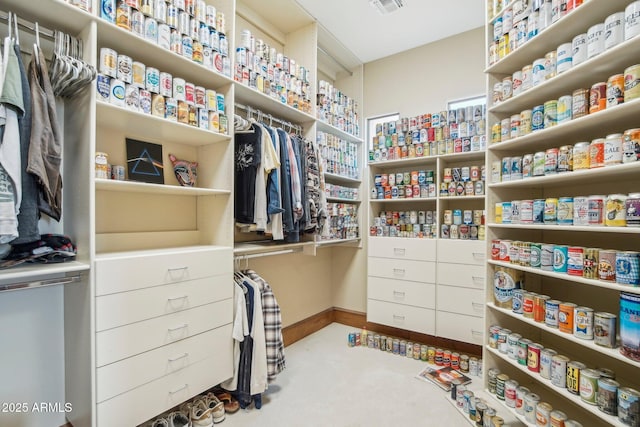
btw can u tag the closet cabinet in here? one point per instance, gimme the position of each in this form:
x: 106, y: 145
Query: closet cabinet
x: 599, y: 295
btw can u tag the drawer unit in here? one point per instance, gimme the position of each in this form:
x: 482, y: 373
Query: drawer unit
x: 136, y: 406
x: 416, y: 271
x: 460, y: 327
x: 400, y: 248
x: 402, y: 292
x: 462, y: 251
x: 123, y: 308
x: 401, y: 316
x: 461, y: 300
x: 119, y: 343
x: 468, y: 276
x: 137, y: 270
x: 117, y: 378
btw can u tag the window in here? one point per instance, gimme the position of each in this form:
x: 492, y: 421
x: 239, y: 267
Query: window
x: 373, y: 122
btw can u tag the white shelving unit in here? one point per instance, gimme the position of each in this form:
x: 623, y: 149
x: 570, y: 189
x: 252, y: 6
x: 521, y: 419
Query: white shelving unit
x: 600, y: 295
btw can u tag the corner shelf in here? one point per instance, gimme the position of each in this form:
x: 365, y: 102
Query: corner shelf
x: 162, y: 189
x: 334, y: 178
x: 562, y: 276
x: 146, y: 126
x: 590, y: 344
x: 269, y: 105
x: 593, y: 409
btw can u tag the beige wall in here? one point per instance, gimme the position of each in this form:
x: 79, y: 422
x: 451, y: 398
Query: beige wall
x: 417, y: 81
x: 423, y: 79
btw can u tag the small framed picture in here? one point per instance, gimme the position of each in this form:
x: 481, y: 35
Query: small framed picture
x: 144, y: 161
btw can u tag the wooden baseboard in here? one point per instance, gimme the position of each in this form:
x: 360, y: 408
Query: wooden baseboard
x: 359, y: 319
x: 301, y: 329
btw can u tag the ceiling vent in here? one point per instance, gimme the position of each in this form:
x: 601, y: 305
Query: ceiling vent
x: 384, y: 7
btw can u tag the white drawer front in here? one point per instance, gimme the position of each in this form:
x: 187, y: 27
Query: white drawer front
x: 400, y: 248
x: 401, y: 316
x: 467, y: 276
x: 147, y: 401
x: 129, y: 271
x: 130, y: 373
x: 119, y: 343
x: 462, y: 251
x: 128, y: 307
x: 416, y: 271
x: 460, y: 327
x: 461, y: 300
x: 402, y: 292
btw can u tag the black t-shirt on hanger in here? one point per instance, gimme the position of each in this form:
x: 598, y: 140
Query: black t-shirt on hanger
x: 247, y: 158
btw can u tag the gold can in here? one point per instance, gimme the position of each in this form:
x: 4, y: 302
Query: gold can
x: 102, y: 165
x: 525, y: 122
x: 632, y: 83
x: 581, y: 156
x: 615, y: 90
x: 183, y: 112
x: 573, y: 376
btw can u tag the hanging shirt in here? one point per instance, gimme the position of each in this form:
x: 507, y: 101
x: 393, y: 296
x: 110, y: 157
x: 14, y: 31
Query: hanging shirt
x: 247, y: 158
x: 240, y: 330
x: 45, y: 148
x: 274, y: 196
x: 268, y: 162
x: 296, y: 185
x: 289, y: 226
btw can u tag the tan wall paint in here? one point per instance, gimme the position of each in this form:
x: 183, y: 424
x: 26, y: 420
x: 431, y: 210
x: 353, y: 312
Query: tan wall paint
x: 423, y: 79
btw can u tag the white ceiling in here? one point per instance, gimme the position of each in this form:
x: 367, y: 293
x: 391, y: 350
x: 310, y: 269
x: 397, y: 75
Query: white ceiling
x: 370, y: 36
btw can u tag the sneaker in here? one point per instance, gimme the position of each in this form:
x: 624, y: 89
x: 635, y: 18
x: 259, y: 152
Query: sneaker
x: 160, y: 422
x: 201, y: 414
x: 178, y: 419
x: 216, y: 407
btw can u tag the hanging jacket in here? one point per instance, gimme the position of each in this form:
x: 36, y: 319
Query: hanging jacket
x: 290, y: 229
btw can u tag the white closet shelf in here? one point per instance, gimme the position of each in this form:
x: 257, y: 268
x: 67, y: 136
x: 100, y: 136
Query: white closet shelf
x: 564, y: 276
x: 152, y: 55
x: 584, y: 75
x: 342, y: 200
x: 593, y: 409
x: 466, y: 156
x: 328, y: 128
x: 28, y: 276
x: 255, y: 248
x: 147, y: 127
x: 562, y: 31
x: 590, y: 344
x: 460, y: 198
x: 414, y: 161
x: 159, y: 251
x: 336, y: 242
x: 268, y: 105
x: 410, y: 200
x: 61, y: 15
x: 334, y: 178
x: 162, y: 189
x: 550, y: 227
x: 597, y: 125
x: 582, y: 176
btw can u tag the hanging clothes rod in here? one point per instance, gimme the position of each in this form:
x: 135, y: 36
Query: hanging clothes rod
x: 28, y: 25
x: 39, y: 283
x: 264, y: 254
x: 252, y: 110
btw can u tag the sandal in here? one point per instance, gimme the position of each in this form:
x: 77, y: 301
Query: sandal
x: 231, y: 405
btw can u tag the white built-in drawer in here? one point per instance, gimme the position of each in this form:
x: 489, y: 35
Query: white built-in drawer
x: 462, y: 251
x: 120, y: 309
x: 401, y: 316
x: 460, y: 327
x: 401, y: 248
x: 402, y: 292
x: 461, y: 300
x: 117, y: 378
x: 127, y: 271
x: 147, y: 401
x: 126, y: 341
x: 468, y: 276
x: 416, y: 271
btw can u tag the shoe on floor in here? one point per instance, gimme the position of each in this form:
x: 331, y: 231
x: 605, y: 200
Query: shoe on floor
x: 216, y: 407
x: 160, y: 422
x: 201, y: 414
x: 178, y: 419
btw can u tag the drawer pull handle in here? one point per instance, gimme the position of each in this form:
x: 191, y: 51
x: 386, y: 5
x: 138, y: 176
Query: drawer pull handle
x: 172, y: 392
x: 177, y: 298
x: 398, y: 294
x: 477, y: 279
x: 477, y: 333
x: 399, y: 251
x: 397, y: 317
x: 171, y: 270
x: 477, y: 305
x: 398, y: 271
x: 174, y: 359
x: 177, y: 328
x: 478, y: 255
